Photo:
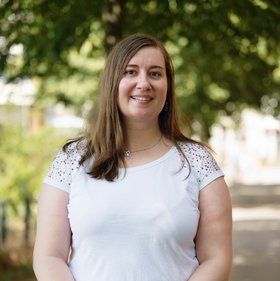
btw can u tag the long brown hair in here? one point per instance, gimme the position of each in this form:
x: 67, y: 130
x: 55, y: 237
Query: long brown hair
x: 105, y: 135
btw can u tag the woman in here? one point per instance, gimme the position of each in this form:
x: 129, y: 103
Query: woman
x: 134, y: 199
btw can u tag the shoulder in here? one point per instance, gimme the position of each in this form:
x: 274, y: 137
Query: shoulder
x: 195, y: 152
x: 201, y: 162
x: 71, y: 153
x: 74, y: 149
x: 65, y: 165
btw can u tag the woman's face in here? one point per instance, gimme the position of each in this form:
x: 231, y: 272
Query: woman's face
x: 143, y: 87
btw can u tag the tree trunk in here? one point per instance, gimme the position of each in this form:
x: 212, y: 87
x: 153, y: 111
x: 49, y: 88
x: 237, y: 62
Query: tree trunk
x: 3, y: 221
x: 27, y: 220
x: 112, y: 17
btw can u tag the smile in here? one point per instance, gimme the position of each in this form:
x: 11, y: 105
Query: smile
x: 142, y: 98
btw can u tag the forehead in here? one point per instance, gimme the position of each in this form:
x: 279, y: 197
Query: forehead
x: 151, y: 56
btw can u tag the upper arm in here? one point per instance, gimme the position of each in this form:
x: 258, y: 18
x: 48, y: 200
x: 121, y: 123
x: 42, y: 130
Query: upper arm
x: 53, y: 237
x: 214, y: 235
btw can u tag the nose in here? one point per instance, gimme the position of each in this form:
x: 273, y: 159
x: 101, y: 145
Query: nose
x: 143, y: 83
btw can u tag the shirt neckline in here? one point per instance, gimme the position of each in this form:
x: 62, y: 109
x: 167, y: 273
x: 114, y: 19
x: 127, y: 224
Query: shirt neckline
x: 152, y: 163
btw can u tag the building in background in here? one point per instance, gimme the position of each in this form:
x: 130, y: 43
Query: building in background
x: 17, y: 107
x: 16, y: 100
x: 249, y: 152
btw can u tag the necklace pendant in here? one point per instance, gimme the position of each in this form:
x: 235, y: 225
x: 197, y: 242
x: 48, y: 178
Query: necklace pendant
x: 127, y: 153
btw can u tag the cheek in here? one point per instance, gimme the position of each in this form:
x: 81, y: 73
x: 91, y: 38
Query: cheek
x: 122, y: 94
x: 123, y: 89
x: 124, y: 85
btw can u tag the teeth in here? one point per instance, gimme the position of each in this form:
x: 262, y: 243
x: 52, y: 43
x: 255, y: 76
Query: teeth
x: 142, y: 98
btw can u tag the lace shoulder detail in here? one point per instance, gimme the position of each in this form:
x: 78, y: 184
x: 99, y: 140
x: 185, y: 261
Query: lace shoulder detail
x: 201, y: 161
x: 65, y: 166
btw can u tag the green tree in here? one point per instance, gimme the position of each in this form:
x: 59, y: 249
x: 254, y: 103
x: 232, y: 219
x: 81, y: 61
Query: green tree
x: 225, y: 52
x: 23, y: 163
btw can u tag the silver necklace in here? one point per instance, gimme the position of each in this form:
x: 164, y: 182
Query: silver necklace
x: 128, y: 152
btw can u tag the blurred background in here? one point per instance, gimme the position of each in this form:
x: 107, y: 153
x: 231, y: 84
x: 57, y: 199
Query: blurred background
x: 227, y: 62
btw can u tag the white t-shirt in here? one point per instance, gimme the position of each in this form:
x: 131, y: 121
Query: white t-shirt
x: 142, y: 226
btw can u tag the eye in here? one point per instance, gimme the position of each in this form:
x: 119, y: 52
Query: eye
x: 155, y: 74
x: 129, y: 72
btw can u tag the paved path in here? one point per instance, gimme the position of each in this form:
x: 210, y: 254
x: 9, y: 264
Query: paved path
x: 256, y: 238
x: 256, y: 244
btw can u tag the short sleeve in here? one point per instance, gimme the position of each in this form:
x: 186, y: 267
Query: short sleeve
x: 203, y: 163
x: 63, y: 168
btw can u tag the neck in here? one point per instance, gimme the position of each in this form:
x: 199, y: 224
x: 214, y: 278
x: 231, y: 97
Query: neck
x: 141, y: 138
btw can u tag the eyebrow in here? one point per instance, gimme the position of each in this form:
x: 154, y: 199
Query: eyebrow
x: 153, y: 66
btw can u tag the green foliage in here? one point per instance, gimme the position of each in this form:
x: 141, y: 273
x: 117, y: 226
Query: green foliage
x: 24, y: 159
x: 48, y: 30
x: 225, y: 53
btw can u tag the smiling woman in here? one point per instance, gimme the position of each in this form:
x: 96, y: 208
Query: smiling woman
x: 134, y: 199
x: 143, y: 88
